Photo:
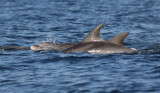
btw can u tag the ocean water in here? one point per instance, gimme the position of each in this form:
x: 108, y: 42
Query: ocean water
x: 27, y: 22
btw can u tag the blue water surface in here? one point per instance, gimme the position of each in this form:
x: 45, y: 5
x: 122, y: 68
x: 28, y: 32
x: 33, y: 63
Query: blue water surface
x: 26, y: 22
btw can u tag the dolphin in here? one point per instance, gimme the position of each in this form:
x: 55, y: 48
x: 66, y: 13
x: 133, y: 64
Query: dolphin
x: 50, y: 46
x: 58, y: 47
x: 41, y: 46
x: 94, y: 44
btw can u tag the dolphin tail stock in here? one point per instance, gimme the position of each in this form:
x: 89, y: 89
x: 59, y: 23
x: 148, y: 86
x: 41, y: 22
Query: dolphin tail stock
x: 118, y: 39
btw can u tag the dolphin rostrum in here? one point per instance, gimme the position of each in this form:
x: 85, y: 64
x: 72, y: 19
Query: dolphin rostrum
x: 94, y: 44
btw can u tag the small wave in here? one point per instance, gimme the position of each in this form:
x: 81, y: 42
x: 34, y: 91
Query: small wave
x: 155, y: 49
x: 155, y: 70
x: 2, y: 68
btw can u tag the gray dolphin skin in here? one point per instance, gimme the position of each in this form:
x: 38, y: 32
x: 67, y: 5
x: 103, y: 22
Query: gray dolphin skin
x: 50, y: 46
x: 41, y: 46
x: 118, y: 39
x: 94, y: 44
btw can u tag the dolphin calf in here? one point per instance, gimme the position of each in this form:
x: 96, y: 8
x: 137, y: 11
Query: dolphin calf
x: 41, y: 46
x: 94, y: 44
x: 50, y: 46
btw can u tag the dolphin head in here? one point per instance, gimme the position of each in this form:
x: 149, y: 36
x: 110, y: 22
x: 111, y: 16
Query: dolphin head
x: 36, y: 48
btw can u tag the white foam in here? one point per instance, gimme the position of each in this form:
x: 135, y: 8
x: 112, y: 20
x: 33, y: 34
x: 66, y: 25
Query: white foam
x: 134, y: 49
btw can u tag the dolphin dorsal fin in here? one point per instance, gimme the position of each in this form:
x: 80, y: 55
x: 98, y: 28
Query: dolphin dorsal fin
x: 94, y: 35
x: 118, y: 39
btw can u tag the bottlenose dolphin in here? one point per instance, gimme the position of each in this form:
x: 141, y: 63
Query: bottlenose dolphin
x: 50, y: 46
x: 41, y: 46
x: 94, y: 44
x: 118, y: 39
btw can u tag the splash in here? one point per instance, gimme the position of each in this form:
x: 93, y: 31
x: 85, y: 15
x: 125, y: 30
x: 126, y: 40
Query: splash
x: 47, y: 39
